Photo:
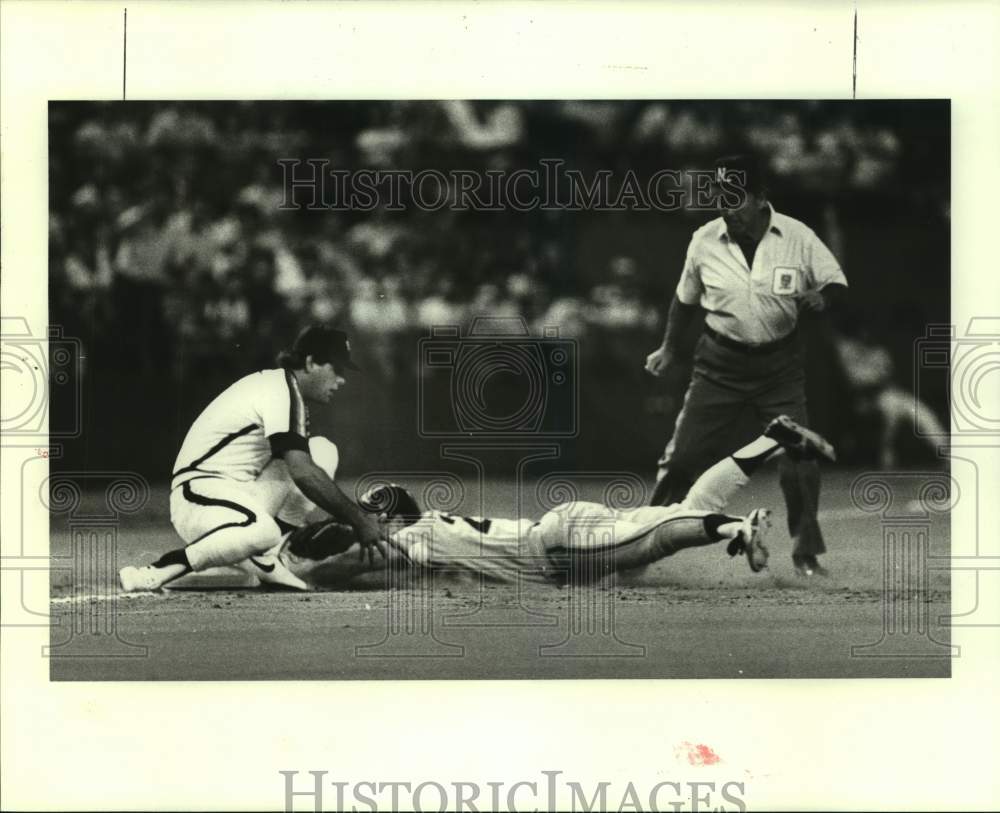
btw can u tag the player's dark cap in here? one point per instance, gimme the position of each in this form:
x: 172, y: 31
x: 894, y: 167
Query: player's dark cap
x: 325, y: 345
x: 745, y: 170
x: 393, y: 500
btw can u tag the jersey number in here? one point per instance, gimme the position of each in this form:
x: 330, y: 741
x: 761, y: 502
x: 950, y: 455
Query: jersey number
x: 481, y: 525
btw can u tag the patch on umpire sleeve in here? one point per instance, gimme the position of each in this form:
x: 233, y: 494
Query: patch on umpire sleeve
x: 785, y: 281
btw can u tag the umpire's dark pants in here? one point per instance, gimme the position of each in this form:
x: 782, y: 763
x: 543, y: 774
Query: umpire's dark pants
x: 734, y: 393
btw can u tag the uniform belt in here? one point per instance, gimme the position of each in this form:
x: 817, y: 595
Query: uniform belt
x: 751, y: 349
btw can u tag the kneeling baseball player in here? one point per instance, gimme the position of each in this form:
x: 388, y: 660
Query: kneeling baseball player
x: 575, y: 540
x: 248, y: 471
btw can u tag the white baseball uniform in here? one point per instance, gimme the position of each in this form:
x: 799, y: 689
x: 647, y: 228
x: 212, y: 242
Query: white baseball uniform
x: 582, y: 536
x: 234, y: 436
x: 572, y: 533
x: 226, y: 491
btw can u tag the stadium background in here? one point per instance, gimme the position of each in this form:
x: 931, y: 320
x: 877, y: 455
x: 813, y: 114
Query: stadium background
x: 172, y: 264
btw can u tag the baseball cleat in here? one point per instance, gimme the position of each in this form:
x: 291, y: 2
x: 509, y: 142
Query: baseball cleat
x: 271, y: 570
x: 799, y: 440
x: 808, y: 566
x: 755, y: 528
x: 137, y: 579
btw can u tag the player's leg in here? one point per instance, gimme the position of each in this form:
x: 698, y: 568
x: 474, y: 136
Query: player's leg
x: 222, y: 524
x: 694, y: 529
x: 744, y: 535
x: 687, y: 529
x: 589, y: 540
x: 713, y: 490
x: 577, y: 539
x: 275, y: 491
x: 253, y: 540
x: 716, y: 487
x: 699, y: 437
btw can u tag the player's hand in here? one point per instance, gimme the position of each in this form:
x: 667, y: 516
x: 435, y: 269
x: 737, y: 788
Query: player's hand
x: 659, y: 361
x: 369, y: 535
x: 812, y: 301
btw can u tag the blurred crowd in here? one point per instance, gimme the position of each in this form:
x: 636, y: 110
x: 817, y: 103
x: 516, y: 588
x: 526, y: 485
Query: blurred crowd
x: 169, y: 252
x: 166, y: 226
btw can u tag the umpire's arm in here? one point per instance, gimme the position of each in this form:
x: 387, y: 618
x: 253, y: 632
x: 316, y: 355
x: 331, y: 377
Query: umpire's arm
x: 685, y: 311
x: 829, y: 285
x: 834, y: 296
x: 831, y: 297
x: 680, y: 320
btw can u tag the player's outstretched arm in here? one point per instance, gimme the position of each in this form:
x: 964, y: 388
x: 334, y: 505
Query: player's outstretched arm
x: 314, y: 483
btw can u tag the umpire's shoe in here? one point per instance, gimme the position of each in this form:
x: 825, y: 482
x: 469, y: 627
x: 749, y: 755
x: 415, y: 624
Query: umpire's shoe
x: 807, y: 565
x: 799, y: 441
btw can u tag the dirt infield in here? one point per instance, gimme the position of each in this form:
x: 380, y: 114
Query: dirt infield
x: 698, y: 614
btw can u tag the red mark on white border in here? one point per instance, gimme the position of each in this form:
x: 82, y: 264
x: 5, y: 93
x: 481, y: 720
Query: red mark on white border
x: 698, y: 754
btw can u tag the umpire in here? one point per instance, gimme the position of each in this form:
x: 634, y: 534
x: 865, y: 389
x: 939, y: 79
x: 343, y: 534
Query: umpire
x: 752, y: 271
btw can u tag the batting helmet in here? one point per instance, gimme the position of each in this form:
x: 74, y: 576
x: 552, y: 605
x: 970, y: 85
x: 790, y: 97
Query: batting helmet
x: 393, y: 500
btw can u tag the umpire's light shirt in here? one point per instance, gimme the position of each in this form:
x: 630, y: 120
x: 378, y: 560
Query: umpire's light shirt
x: 760, y: 304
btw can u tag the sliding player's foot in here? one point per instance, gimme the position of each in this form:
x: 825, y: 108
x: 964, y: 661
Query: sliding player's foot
x: 272, y: 571
x: 798, y: 440
x: 753, y: 533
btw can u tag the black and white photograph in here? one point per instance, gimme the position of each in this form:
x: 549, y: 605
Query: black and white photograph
x: 526, y: 389
x: 499, y: 407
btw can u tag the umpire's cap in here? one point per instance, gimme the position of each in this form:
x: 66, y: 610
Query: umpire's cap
x: 744, y: 170
x: 324, y: 344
